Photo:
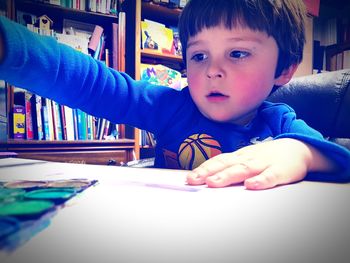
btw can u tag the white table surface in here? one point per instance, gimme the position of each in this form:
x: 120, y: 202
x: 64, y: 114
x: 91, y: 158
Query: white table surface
x: 125, y: 218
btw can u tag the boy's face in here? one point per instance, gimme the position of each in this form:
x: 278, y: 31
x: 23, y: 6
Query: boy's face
x: 231, y: 72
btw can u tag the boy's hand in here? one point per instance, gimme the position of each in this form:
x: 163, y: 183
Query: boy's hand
x: 261, y: 166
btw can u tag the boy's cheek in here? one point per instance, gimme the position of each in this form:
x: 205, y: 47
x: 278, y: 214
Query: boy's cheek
x: 193, y: 80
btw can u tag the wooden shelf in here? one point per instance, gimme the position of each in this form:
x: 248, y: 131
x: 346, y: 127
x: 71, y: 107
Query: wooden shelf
x: 62, y: 143
x: 149, y: 53
x: 90, y: 152
x: 160, y: 13
x: 37, y: 7
x: 58, y: 13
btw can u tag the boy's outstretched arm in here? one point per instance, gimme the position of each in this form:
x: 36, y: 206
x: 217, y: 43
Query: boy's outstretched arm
x: 263, y: 165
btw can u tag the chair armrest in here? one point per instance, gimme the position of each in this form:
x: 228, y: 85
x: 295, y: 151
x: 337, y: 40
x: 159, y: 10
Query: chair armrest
x: 321, y: 100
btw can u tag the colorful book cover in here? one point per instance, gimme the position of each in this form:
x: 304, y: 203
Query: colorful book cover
x: 19, y: 121
x: 161, y: 75
x: 156, y: 36
x: 177, y: 47
x: 77, y: 42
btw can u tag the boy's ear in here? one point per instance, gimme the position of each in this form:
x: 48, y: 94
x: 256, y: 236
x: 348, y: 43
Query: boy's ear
x: 286, y: 75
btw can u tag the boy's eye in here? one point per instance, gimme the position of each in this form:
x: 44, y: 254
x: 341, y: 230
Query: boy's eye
x: 198, y: 57
x: 239, y: 54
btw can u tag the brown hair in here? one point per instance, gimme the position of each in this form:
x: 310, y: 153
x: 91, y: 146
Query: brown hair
x: 284, y: 20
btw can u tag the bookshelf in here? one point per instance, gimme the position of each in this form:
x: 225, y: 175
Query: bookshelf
x: 137, y: 11
x: 90, y: 150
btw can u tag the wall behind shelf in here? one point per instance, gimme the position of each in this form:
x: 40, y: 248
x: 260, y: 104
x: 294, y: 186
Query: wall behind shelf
x: 305, y: 67
x: 329, y: 30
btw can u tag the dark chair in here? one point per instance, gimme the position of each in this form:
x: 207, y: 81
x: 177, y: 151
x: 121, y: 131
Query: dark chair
x: 322, y: 101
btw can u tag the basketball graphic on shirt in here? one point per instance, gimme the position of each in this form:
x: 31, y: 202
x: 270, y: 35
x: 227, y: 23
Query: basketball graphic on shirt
x: 196, y: 149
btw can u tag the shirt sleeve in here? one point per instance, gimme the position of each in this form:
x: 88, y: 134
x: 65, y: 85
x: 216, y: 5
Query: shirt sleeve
x: 297, y: 129
x: 53, y: 70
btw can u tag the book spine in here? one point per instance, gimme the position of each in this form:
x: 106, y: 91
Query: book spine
x: 45, y: 121
x: 75, y: 123
x: 115, y: 46
x: 68, y: 113
x: 83, y: 5
x: 102, y: 49
x: 106, y: 129
x: 121, y: 40
x: 101, y: 129
x: 38, y: 126
x: 63, y: 122
x: 93, y: 5
x: 50, y: 119
x: 56, y: 120
x: 3, y: 111
x: 82, y: 125
x: 29, y: 116
x: 95, y: 38
x: 18, y: 122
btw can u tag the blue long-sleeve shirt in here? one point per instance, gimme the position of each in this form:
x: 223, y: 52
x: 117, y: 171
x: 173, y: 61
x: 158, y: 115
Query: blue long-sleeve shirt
x: 185, y: 138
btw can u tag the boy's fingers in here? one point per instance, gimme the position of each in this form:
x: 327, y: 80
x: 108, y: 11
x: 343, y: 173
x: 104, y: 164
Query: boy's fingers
x: 231, y: 175
x: 269, y: 178
x: 199, y: 175
x: 210, y: 167
x: 226, y: 175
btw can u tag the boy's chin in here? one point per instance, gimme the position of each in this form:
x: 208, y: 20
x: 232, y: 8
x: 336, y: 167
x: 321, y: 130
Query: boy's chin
x: 228, y: 119
x: 219, y: 118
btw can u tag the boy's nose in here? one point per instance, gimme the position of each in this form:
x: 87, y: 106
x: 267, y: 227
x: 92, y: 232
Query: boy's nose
x: 214, y: 71
x: 211, y: 75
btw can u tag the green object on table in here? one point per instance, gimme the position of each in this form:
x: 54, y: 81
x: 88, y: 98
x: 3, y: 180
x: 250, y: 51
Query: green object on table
x: 51, y: 193
x: 10, y: 194
x: 29, y: 207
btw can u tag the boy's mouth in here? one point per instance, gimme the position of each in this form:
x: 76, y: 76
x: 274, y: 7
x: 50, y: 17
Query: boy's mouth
x: 216, y: 96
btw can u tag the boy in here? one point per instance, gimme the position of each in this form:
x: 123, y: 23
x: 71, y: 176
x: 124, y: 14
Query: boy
x: 236, y: 52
